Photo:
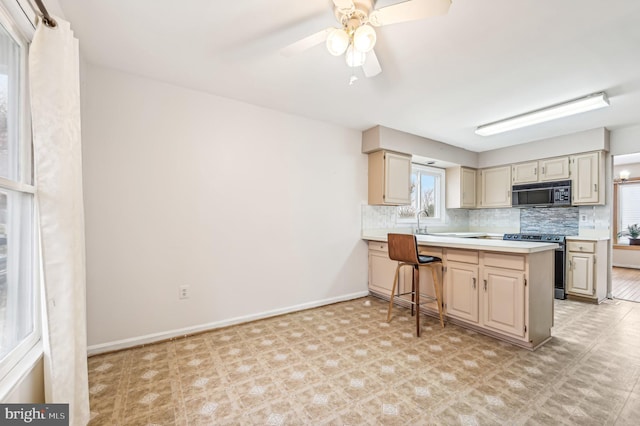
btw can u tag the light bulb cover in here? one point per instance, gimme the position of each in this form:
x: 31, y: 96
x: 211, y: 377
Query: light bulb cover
x: 354, y: 57
x: 364, y: 38
x: 337, y: 41
x: 575, y: 106
x: 624, y: 175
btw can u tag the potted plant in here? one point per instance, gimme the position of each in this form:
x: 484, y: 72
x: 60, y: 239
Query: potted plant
x: 633, y: 232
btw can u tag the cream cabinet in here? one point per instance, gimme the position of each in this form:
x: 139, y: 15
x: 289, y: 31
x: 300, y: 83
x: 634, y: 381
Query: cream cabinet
x: 381, y: 269
x: 389, y: 178
x: 587, y: 176
x: 540, y: 171
x: 524, y: 172
x: 503, y: 300
x: 586, y: 269
x: 554, y: 168
x: 461, y: 289
x: 580, y: 274
x: 461, y: 187
x: 495, y: 187
x: 504, y: 295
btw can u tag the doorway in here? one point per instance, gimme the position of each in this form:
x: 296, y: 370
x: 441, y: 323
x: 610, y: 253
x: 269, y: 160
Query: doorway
x: 625, y: 275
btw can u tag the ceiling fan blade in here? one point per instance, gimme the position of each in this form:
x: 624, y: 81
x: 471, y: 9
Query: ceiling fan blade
x: 371, y: 66
x: 306, y: 43
x: 409, y: 11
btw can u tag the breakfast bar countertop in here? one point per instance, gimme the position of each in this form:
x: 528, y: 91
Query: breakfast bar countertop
x: 470, y: 243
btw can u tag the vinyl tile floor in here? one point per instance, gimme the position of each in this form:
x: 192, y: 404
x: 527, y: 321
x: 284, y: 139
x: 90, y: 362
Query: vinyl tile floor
x: 343, y: 364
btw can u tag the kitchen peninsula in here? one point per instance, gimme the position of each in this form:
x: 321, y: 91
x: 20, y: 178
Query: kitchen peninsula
x: 500, y: 288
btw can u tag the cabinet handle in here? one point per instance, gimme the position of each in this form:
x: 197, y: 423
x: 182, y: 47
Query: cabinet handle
x: 570, y: 265
x: 474, y: 283
x: 543, y: 170
x: 535, y: 171
x: 595, y: 187
x: 485, y: 285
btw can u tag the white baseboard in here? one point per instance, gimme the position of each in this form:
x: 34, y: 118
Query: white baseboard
x: 157, y: 337
x: 626, y: 266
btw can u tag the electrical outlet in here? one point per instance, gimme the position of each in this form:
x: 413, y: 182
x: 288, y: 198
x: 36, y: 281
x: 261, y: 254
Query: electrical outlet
x: 184, y: 292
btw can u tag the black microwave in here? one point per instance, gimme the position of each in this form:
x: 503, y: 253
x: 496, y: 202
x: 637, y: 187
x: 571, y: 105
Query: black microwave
x: 542, y: 194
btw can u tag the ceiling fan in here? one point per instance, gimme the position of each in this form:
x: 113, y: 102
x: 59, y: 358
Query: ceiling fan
x: 356, y: 37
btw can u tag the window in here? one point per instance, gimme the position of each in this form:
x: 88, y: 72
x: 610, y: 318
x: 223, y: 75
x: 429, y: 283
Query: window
x: 628, y: 207
x: 19, y: 329
x: 427, y: 196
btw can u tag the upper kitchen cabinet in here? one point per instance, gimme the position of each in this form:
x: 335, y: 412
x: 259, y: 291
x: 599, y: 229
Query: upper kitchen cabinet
x: 389, y: 178
x: 540, y: 171
x: 554, y: 168
x: 461, y: 188
x: 587, y: 178
x: 525, y: 172
x: 495, y: 187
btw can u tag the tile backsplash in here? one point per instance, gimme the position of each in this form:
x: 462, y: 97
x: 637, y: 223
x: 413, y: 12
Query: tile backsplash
x: 386, y: 217
x: 583, y: 220
x: 558, y: 220
x: 494, y: 220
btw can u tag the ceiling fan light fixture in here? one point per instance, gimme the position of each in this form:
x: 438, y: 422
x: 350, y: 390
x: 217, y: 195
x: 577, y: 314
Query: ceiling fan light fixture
x: 364, y: 38
x: 337, y: 41
x: 354, y: 57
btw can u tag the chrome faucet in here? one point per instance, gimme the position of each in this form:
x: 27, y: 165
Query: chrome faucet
x: 420, y: 231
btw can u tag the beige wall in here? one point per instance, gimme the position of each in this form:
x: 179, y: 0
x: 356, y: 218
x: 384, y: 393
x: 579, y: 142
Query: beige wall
x: 633, y: 169
x: 257, y: 211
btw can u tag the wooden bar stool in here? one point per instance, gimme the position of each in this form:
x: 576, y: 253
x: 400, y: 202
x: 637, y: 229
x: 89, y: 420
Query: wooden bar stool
x: 404, y: 249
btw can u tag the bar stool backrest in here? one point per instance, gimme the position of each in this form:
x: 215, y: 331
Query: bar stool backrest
x: 403, y: 248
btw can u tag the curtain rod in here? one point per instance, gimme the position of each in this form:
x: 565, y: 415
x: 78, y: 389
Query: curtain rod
x: 46, y: 18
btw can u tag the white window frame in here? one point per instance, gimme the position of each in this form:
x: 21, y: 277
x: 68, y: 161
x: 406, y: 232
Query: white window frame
x: 440, y: 214
x: 15, y: 22
x: 621, y: 227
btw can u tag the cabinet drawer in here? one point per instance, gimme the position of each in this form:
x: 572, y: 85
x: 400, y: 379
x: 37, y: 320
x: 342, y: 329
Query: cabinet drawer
x: 379, y: 246
x: 505, y: 261
x: 465, y: 256
x: 430, y: 251
x: 581, y: 246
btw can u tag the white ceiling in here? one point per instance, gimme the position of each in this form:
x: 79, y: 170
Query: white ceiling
x: 442, y: 77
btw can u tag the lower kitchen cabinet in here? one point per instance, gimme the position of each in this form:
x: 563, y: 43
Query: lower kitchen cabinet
x: 503, y: 300
x: 580, y: 274
x: 586, y: 269
x: 461, y: 289
x: 381, y: 269
x: 507, y: 296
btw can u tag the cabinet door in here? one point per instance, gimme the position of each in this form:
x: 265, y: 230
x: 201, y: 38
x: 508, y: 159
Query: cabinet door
x: 554, y: 168
x: 495, y: 187
x: 503, y: 301
x: 585, y: 175
x: 397, y: 179
x: 461, y: 287
x: 461, y: 188
x: 580, y: 274
x: 525, y: 172
x: 381, y: 272
x: 468, y: 188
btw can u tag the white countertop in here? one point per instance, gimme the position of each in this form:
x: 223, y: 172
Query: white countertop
x: 471, y: 243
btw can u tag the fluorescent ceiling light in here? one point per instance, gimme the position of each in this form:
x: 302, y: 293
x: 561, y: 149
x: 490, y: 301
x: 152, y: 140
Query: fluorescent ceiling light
x: 576, y: 106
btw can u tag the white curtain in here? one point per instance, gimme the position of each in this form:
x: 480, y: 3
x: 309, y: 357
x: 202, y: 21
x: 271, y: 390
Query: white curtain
x: 55, y: 108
